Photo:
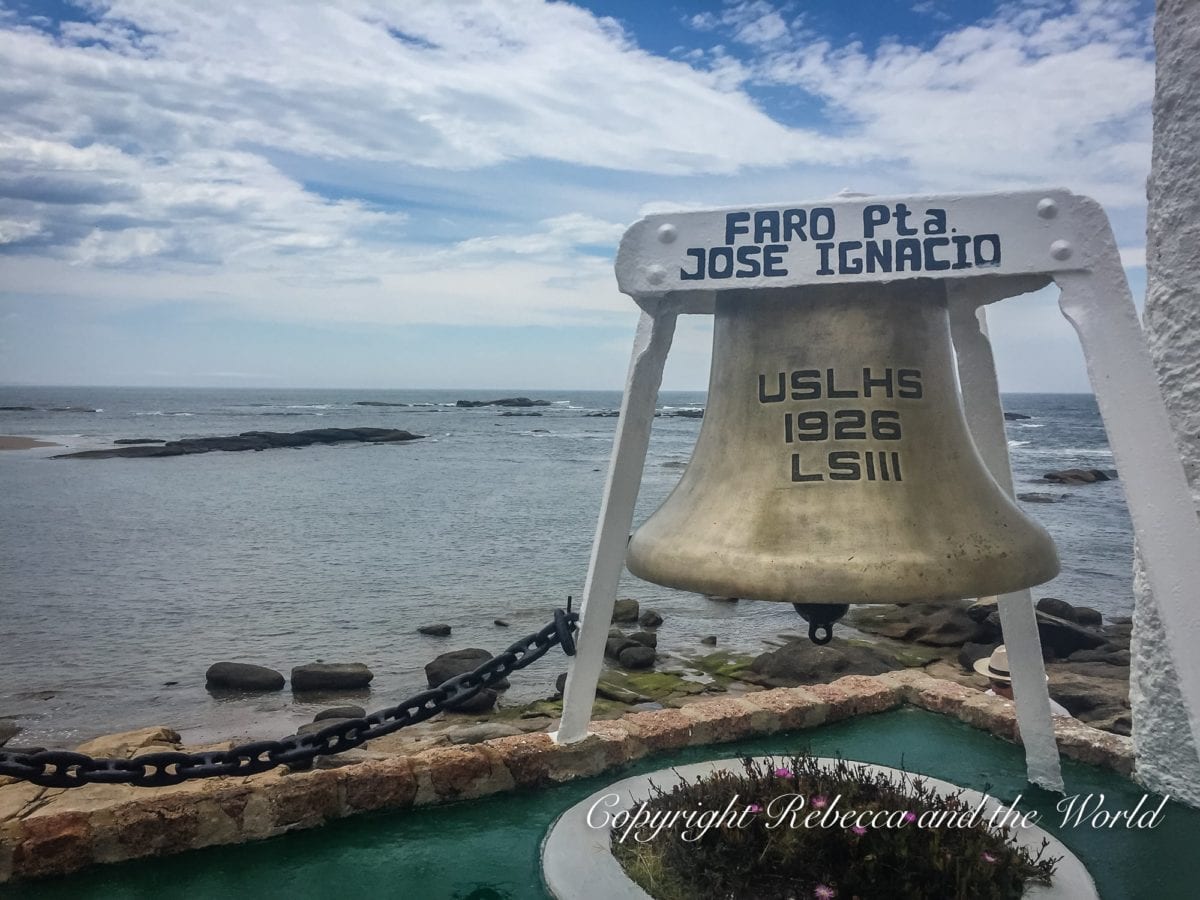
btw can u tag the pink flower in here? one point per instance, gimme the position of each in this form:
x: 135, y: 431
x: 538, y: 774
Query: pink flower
x: 909, y: 816
x: 860, y: 830
x: 782, y: 772
x: 824, y: 892
x: 820, y: 801
x: 754, y: 808
x: 988, y: 858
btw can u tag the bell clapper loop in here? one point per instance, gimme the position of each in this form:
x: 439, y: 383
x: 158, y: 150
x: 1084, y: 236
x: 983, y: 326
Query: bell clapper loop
x: 820, y: 618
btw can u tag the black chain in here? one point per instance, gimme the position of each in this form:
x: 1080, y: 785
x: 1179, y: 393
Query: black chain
x: 64, y: 769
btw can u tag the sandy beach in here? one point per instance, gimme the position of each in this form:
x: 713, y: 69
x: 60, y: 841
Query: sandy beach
x: 11, y: 442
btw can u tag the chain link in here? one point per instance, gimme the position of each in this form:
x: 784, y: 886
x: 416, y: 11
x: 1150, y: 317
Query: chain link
x: 64, y: 769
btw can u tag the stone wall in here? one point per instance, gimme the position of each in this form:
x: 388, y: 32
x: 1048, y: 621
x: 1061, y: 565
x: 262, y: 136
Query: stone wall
x: 1167, y: 759
x: 50, y: 832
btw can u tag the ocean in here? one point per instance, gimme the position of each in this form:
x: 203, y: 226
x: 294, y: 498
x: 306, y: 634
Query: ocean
x: 122, y: 580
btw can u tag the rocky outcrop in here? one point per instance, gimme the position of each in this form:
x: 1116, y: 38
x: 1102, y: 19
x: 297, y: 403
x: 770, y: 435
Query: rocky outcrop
x: 1015, y: 417
x: 440, y: 630
x: 377, y: 403
x: 803, y: 662
x: 1077, y: 476
x: 340, y: 712
x: 251, y: 440
x: 650, y: 619
x: 637, y: 656
x: 242, y: 677
x: 330, y: 677
x: 140, y: 441
x: 519, y: 402
x: 949, y: 625
x: 626, y: 610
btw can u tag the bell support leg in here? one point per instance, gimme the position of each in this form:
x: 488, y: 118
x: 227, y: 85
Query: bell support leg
x: 650, y: 346
x: 1098, y: 304
x: 985, y: 417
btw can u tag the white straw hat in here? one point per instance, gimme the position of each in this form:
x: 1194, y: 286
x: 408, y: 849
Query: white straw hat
x: 995, y: 666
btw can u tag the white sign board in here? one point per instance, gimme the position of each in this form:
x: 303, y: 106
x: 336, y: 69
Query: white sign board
x: 868, y: 239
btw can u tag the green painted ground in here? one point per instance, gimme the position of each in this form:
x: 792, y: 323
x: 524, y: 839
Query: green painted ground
x: 489, y: 849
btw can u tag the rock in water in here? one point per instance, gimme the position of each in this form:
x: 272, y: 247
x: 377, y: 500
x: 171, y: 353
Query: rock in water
x: 319, y: 725
x: 1015, y: 417
x: 709, y: 640
x: 637, y: 657
x: 456, y: 662
x: 330, y: 677
x: 936, y: 625
x: 8, y: 731
x: 645, y: 638
x: 650, y: 619
x: 803, y: 662
x: 626, y: 610
x: 1076, y: 476
x: 1056, y: 607
x: 251, y: 440
x: 500, y: 622
x: 243, y: 677
x: 340, y: 712
x: 435, y: 630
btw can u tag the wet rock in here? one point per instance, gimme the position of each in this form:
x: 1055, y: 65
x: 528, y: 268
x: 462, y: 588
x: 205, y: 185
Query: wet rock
x: 1088, y: 617
x: 972, y: 653
x: 688, y: 413
x: 721, y: 599
x: 614, y: 646
x: 560, y: 683
x: 645, y: 638
x: 16, y: 409
x: 650, y: 619
x: 1107, y: 654
x: 606, y: 414
x: 140, y: 441
x: 376, y: 403
x: 637, y: 656
x: 1040, y: 497
x: 340, y: 712
x: 435, y: 630
x: 615, y: 632
x: 803, y: 662
x: 709, y: 640
x: 503, y: 401
x: 1056, y: 607
x: 251, y: 440
x: 1076, y: 476
x: 626, y: 610
x: 321, y: 724
x: 1064, y: 637
x: 456, y: 662
x: 125, y: 744
x: 479, y: 703
x: 506, y: 415
x: 242, y: 677
x: 500, y: 622
x: 1015, y: 417
x: 330, y: 676
x: 947, y: 625
x: 8, y: 731
x: 484, y: 731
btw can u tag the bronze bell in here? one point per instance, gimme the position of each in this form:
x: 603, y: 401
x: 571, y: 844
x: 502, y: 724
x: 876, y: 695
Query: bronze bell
x: 834, y: 464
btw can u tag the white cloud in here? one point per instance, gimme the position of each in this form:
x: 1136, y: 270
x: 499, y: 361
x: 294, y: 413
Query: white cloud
x: 1039, y: 94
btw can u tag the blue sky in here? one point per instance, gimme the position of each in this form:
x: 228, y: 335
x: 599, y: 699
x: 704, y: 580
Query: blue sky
x: 415, y: 194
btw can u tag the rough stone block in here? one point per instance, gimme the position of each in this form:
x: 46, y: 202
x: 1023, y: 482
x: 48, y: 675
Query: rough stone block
x: 793, y: 708
x: 380, y: 784
x: 459, y: 773
x: 52, y: 845
x: 855, y: 695
x: 662, y: 729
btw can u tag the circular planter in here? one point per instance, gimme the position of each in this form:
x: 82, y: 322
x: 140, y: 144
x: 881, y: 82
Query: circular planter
x: 577, y: 860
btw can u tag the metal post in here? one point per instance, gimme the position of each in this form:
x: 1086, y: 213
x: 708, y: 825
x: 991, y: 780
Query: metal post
x: 650, y: 346
x: 985, y: 416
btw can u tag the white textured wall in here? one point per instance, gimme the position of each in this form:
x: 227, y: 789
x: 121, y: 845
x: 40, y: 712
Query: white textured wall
x: 1167, y: 760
